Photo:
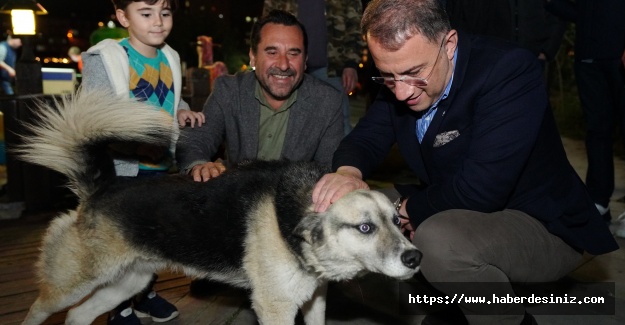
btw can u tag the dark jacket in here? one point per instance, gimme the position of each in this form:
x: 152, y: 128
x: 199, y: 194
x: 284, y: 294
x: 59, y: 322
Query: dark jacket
x: 314, y: 129
x: 524, y: 22
x: 599, y: 26
x: 507, y: 153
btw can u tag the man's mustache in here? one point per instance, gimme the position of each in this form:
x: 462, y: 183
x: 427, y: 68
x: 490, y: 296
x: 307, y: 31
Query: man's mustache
x: 285, y: 73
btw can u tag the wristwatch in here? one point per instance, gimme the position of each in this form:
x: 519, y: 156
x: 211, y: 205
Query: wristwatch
x: 398, y: 203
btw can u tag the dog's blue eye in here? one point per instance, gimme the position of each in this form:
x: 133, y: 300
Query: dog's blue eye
x: 396, y: 220
x: 365, y: 228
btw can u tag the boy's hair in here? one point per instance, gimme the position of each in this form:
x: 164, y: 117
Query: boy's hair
x: 279, y: 17
x: 122, y: 4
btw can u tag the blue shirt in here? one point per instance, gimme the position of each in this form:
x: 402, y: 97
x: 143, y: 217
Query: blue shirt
x: 424, y: 122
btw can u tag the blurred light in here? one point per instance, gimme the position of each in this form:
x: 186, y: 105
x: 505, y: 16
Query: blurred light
x: 24, y: 5
x: 110, y: 24
x: 221, y: 16
x: 248, y: 19
x: 23, y: 22
x: 360, y: 65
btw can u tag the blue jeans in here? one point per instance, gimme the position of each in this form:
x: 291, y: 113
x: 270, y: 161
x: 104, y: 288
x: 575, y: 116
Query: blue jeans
x: 7, y: 89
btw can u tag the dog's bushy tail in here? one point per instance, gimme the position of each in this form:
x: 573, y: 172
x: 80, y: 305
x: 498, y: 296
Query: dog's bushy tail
x: 72, y: 134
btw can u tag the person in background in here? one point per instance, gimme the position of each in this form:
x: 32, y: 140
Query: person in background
x: 74, y: 54
x: 526, y: 23
x: 498, y: 201
x: 599, y: 49
x: 142, y: 66
x: 8, y: 58
x: 335, y: 43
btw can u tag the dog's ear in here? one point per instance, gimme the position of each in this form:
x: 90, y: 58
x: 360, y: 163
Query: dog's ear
x: 310, y: 229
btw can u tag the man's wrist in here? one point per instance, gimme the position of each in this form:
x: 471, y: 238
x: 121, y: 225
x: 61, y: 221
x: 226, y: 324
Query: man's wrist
x: 349, y: 171
x: 399, y: 203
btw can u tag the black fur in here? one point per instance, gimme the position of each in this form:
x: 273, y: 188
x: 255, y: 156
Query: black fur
x: 165, y: 215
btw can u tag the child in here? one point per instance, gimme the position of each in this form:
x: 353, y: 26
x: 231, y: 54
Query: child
x: 144, y: 67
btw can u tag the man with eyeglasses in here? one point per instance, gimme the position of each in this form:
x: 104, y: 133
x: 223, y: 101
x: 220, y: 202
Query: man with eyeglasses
x: 498, y: 201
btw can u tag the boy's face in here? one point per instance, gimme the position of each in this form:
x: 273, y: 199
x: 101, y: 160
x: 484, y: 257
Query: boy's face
x: 148, y: 25
x: 279, y: 60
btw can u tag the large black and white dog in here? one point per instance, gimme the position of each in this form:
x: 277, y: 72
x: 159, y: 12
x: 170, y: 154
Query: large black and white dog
x: 252, y: 227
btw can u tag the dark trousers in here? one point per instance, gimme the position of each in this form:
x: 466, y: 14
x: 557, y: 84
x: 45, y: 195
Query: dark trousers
x: 474, y: 248
x: 601, y: 90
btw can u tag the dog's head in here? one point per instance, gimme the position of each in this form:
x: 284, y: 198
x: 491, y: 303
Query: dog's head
x: 358, y: 233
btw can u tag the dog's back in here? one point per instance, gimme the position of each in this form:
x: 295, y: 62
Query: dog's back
x: 197, y: 224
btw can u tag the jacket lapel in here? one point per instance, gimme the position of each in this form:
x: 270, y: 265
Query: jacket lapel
x: 299, y: 117
x: 249, y: 116
x: 407, y: 121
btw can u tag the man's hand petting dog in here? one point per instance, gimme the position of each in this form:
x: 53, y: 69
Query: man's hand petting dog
x: 206, y: 171
x: 332, y: 187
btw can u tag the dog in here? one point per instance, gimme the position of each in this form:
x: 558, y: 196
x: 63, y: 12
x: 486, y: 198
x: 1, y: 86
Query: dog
x: 253, y: 227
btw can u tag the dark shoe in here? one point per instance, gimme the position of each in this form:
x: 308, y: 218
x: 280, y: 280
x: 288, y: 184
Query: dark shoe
x: 123, y: 317
x: 607, y: 217
x: 529, y: 319
x: 449, y: 316
x: 156, y: 307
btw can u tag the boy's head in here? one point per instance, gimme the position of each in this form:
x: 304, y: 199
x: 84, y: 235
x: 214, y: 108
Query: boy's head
x: 14, y: 42
x: 122, y: 4
x: 148, y: 22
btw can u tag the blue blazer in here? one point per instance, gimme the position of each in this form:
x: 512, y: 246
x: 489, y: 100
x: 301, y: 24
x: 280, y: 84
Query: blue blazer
x: 492, y: 145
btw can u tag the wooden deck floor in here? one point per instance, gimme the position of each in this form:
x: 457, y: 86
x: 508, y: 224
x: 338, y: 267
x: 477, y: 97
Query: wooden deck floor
x: 19, y: 249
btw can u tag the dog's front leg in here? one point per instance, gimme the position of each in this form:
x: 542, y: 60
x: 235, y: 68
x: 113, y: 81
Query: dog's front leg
x: 271, y: 311
x: 314, y: 310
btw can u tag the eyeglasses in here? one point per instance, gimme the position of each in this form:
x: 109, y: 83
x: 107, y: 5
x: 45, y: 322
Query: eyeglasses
x: 409, y: 80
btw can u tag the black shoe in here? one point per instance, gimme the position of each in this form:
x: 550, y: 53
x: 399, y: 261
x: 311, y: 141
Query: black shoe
x: 529, y: 319
x: 449, y: 316
x: 123, y: 317
x: 155, y: 307
x: 607, y: 217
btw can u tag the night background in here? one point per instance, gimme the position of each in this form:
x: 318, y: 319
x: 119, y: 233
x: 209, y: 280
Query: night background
x: 71, y: 22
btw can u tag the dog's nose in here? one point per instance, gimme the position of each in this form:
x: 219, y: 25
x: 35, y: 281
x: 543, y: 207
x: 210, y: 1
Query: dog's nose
x: 411, y: 258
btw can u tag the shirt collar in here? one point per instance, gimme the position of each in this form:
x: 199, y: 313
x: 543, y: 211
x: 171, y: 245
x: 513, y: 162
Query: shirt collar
x: 258, y: 93
x: 445, y: 93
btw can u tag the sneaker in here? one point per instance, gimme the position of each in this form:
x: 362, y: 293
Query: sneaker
x: 617, y: 226
x: 124, y: 317
x: 529, y: 319
x: 452, y: 315
x: 156, y: 307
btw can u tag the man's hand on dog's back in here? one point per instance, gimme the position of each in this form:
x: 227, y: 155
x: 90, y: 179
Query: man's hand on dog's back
x: 204, y: 172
